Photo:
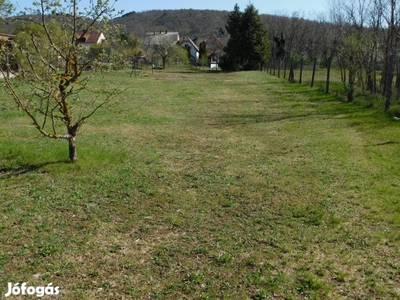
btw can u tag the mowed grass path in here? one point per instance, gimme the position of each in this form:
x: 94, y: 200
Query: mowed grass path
x: 206, y: 186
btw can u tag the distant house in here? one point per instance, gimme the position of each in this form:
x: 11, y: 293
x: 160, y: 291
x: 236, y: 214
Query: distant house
x: 6, y: 63
x: 155, y: 37
x: 194, y: 52
x: 5, y: 38
x: 158, y: 45
x: 91, y: 38
x: 159, y: 38
x: 215, y: 50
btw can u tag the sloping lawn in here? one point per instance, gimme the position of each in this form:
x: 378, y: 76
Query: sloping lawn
x: 206, y: 186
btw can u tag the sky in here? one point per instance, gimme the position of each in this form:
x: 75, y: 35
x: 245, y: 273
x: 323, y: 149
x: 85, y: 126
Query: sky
x: 280, y: 7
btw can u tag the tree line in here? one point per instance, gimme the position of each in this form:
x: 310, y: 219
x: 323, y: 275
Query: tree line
x: 360, y: 37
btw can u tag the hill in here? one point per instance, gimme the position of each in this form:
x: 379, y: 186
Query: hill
x: 188, y: 22
x: 201, y: 24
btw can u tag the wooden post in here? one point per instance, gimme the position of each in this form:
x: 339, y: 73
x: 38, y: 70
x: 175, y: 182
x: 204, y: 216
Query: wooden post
x: 284, y: 68
x: 350, y: 92
x: 8, y: 64
x: 389, y: 80
x: 301, y: 71
x: 279, y: 69
x: 291, y: 72
x: 313, y: 72
x: 328, y: 74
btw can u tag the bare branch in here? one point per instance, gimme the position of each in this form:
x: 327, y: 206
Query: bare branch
x: 46, y: 30
x: 52, y: 65
x: 25, y: 108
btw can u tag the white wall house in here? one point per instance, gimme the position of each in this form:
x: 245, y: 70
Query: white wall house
x: 6, y: 50
x: 90, y: 38
x: 158, y: 45
x: 194, y: 50
x: 159, y: 36
x: 215, y: 50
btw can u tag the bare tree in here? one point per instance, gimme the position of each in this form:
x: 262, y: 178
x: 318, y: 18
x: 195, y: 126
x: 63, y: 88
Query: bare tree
x: 54, y: 65
x: 369, y: 37
x: 390, y: 13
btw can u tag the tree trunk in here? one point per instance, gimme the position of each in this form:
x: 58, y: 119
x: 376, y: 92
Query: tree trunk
x: 301, y: 71
x: 274, y: 67
x: 284, y: 68
x: 389, y: 81
x: 350, y: 92
x: 279, y: 69
x: 313, y: 72
x: 397, y: 83
x: 291, y: 72
x: 73, y: 155
x: 370, y: 80
x: 328, y: 74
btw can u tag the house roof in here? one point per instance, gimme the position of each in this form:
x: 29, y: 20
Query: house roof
x: 214, y: 40
x: 156, y: 36
x: 6, y: 37
x: 89, y: 37
x: 185, y: 39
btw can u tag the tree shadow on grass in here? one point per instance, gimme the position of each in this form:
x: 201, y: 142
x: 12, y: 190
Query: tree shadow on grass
x: 317, y: 105
x: 21, y: 169
x: 246, y: 119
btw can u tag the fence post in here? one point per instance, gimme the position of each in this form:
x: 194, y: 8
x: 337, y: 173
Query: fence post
x: 279, y: 68
x: 274, y: 67
x: 328, y: 74
x: 313, y: 72
x: 301, y: 71
x: 284, y: 68
x: 350, y: 92
x: 389, y: 81
x: 291, y: 72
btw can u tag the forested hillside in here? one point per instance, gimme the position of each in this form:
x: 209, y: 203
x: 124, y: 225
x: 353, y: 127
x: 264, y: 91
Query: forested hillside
x: 196, y: 23
x: 302, y: 36
x: 188, y: 22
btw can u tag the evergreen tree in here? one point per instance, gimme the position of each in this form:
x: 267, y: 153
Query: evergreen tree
x: 248, y: 46
x: 203, y: 53
x: 230, y: 60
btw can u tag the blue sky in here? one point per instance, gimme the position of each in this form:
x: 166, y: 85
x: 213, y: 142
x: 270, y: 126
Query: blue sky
x: 287, y: 7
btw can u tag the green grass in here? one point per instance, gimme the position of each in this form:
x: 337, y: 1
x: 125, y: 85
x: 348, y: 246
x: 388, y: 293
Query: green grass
x: 206, y: 186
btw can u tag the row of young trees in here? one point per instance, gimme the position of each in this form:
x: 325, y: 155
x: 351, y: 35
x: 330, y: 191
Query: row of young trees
x: 360, y: 36
x: 368, y: 40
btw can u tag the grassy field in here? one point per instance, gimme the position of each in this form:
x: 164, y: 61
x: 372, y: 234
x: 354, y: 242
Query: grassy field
x: 206, y: 186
